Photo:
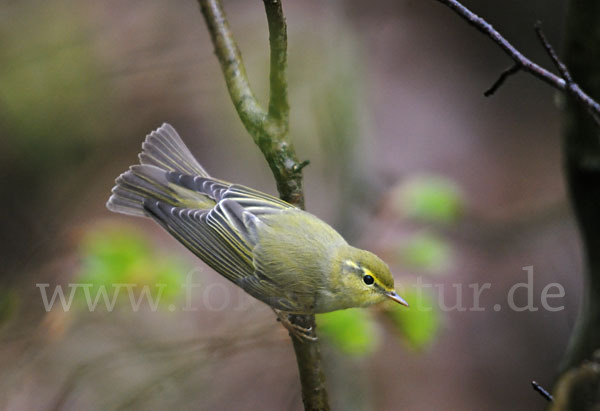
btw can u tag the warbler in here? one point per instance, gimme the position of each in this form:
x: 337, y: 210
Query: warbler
x: 276, y: 252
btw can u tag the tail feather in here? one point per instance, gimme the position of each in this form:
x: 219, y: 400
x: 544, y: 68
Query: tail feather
x: 162, y: 151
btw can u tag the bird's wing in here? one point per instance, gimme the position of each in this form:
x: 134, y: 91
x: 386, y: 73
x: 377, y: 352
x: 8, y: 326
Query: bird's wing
x: 207, y: 233
x: 224, y: 238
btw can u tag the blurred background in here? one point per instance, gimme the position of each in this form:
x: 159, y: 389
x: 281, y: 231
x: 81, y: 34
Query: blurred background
x: 408, y: 160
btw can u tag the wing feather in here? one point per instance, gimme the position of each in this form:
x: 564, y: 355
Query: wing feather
x: 190, y: 228
x: 225, y: 235
x: 218, y: 190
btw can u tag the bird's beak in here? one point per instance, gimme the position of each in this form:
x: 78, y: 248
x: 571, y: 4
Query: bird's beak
x: 394, y: 296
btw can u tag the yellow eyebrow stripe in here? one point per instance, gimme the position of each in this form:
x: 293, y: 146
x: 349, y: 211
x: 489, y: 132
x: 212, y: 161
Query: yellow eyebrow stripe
x: 366, y: 271
x: 377, y: 282
x: 352, y: 264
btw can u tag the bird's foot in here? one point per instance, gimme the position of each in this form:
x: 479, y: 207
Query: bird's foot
x: 302, y: 333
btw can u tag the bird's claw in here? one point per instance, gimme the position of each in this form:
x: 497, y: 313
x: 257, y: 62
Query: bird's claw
x: 301, y: 333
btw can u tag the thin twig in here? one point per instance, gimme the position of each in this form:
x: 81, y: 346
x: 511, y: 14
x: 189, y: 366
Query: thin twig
x: 523, y: 62
x: 514, y: 69
x: 542, y: 391
x: 301, y: 165
x: 487, y: 29
x: 571, y: 87
x: 560, y: 66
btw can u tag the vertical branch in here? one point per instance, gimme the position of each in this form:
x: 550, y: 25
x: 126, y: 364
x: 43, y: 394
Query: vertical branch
x: 269, y: 129
x: 310, y: 366
x: 251, y: 113
x: 278, y: 101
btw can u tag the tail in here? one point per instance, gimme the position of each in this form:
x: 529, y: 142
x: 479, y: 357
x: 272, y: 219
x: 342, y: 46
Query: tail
x: 162, y: 151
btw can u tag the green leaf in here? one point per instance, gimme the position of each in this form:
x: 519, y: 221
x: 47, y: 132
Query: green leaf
x: 430, y: 199
x: 426, y: 251
x: 417, y: 324
x: 122, y: 255
x: 351, y: 331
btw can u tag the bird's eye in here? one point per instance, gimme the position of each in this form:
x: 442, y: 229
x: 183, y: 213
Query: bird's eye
x: 369, y: 280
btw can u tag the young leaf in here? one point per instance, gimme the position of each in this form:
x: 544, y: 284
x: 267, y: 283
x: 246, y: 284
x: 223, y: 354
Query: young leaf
x: 121, y: 255
x: 351, y: 331
x: 417, y: 324
x: 429, y: 198
x: 426, y: 251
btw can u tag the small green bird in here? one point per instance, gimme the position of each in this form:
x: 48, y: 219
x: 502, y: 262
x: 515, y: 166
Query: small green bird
x: 278, y: 253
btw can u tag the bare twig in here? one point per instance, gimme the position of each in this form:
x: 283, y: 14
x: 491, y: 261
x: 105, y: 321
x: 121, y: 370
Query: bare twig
x: 487, y: 29
x: 514, y: 69
x: 562, y: 69
x: 269, y: 129
x: 542, y: 391
x: 523, y: 62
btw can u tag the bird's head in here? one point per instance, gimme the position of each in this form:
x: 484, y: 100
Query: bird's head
x: 365, y: 278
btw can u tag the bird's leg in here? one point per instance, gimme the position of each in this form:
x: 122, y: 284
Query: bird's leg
x: 299, y: 332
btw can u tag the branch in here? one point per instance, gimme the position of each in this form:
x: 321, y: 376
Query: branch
x: 251, y: 113
x: 278, y: 100
x: 269, y: 129
x: 523, y: 62
x: 591, y: 106
x: 514, y: 69
x: 562, y: 69
x: 542, y: 391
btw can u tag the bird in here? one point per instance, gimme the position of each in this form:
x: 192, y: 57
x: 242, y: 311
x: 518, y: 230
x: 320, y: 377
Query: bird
x: 278, y: 253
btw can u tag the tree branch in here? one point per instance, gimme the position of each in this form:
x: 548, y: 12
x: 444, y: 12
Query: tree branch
x: 562, y: 69
x: 269, y: 129
x: 523, y: 62
x: 514, y: 69
x: 251, y: 113
x: 278, y: 100
x: 542, y: 391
